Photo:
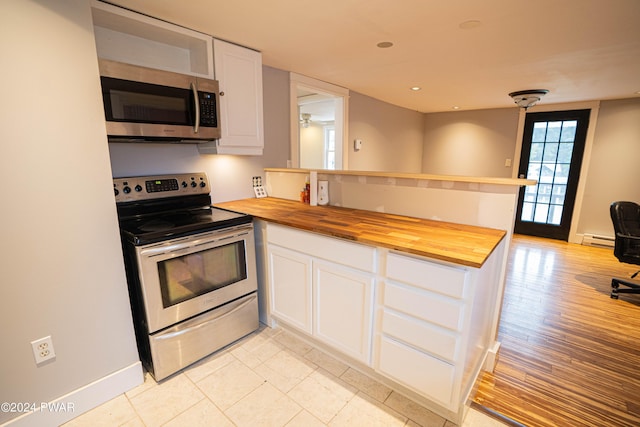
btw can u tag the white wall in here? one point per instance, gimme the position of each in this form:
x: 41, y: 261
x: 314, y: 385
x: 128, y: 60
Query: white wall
x: 392, y: 137
x: 62, y: 270
x: 312, y: 147
x: 614, y: 170
x: 470, y: 143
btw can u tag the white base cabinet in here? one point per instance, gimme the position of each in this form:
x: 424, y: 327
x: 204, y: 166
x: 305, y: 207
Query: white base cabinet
x: 343, y: 307
x: 323, y: 287
x: 421, y: 324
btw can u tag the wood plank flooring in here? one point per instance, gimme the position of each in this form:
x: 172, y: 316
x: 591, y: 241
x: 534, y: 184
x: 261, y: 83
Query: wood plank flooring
x: 570, y: 354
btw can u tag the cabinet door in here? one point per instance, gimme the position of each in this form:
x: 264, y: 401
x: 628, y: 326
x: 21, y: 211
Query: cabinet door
x: 239, y: 71
x: 290, y: 284
x: 343, y: 306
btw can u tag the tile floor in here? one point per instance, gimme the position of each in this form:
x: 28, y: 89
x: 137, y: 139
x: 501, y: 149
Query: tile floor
x: 269, y: 378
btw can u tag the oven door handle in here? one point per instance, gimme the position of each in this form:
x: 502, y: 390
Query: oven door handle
x: 181, y: 247
x: 170, y: 335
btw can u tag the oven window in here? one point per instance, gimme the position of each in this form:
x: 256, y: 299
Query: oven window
x: 198, y: 273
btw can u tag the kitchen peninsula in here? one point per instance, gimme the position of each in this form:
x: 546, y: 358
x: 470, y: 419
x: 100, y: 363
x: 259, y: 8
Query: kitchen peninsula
x: 409, y: 301
x: 401, y: 276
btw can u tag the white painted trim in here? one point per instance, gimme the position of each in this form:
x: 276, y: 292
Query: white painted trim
x: 81, y: 400
x: 342, y: 117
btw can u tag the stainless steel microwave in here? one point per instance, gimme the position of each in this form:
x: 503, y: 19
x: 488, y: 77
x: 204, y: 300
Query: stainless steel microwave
x: 145, y: 104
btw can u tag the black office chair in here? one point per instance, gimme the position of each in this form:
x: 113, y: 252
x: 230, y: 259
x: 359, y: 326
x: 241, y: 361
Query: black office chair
x: 626, y: 224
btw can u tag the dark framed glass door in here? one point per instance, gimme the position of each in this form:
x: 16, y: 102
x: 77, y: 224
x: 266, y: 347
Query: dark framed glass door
x: 552, y: 150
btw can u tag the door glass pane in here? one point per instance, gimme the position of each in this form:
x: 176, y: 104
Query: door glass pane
x: 539, y: 132
x: 544, y: 193
x: 553, y: 131
x: 558, y: 194
x: 547, y: 172
x: 555, y: 214
x: 565, y: 153
x: 536, y: 152
x: 568, y: 130
x: 541, y: 213
x: 527, y: 211
x: 550, y: 152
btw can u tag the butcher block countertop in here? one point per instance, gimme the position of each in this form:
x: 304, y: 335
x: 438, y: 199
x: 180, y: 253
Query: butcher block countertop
x: 457, y: 243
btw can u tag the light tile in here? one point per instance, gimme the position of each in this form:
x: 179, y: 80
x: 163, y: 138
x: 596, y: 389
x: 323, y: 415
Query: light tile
x: 203, y: 414
x: 305, y: 419
x: 293, y: 343
x: 208, y: 365
x: 160, y: 404
x: 322, y: 394
x: 265, y: 406
x: 366, y: 384
x: 115, y: 412
x: 285, y: 370
x: 253, y: 354
x: 478, y: 419
x: 326, y: 362
x: 364, y: 411
x: 414, y: 411
x: 148, y: 383
x: 229, y: 384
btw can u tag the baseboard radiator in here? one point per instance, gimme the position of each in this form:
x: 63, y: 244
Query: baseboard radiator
x: 598, y: 240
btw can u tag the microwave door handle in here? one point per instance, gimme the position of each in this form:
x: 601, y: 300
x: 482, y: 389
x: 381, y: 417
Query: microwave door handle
x: 196, y: 126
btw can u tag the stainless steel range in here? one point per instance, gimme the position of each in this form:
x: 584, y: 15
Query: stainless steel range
x: 191, y: 269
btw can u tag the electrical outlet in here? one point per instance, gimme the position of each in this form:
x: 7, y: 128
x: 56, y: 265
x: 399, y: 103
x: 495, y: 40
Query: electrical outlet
x: 257, y: 181
x: 43, y: 350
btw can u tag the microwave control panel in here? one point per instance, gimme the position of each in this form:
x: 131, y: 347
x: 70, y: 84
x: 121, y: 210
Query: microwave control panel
x: 208, y: 109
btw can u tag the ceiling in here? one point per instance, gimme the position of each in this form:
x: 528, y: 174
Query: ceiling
x: 462, y: 53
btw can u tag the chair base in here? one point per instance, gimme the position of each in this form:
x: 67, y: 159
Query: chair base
x: 633, y: 288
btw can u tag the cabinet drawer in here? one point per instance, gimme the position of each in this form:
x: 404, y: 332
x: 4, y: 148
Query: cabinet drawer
x: 422, y: 335
x: 333, y: 249
x: 427, y: 275
x: 425, y: 374
x: 424, y: 305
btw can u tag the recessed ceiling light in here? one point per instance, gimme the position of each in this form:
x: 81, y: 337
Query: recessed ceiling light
x: 416, y: 88
x: 468, y: 25
x: 384, y: 45
x: 455, y: 107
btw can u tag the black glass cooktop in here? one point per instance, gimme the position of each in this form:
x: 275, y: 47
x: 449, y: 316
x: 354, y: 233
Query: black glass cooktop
x: 154, y: 228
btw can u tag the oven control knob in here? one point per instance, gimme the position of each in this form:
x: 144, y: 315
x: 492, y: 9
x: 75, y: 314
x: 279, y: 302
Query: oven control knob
x: 203, y: 184
x: 184, y: 184
x: 116, y: 192
x: 138, y: 188
x: 193, y: 184
x: 127, y: 190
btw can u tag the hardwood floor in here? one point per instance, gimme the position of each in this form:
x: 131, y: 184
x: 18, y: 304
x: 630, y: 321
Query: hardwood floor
x: 570, y: 354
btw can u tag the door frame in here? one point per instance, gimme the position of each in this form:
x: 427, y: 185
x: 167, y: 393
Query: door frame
x: 594, y: 106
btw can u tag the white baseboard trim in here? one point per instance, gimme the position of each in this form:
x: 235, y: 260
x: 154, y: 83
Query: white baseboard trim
x: 74, y: 404
x: 492, y: 357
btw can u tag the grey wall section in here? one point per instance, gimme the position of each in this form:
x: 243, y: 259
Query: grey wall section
x: 62, y: 270
x: 614, y: 170
x: 392, y: 137
x: 470, y: 143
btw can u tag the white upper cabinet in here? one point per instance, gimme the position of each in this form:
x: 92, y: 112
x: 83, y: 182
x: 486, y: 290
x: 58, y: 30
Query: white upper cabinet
x: 239, y: 71
x: 125, y: 36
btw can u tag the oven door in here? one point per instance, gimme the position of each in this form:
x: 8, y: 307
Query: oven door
x: 184, y: 277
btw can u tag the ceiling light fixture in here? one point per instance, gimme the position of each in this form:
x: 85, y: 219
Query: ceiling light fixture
x: 416, y: 88
x: 305, y: 120
x: 528, y: 98
x: 384, y: 45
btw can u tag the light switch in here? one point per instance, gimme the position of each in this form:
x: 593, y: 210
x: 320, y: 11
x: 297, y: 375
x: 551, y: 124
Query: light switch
x: 507, y: 163
x: 357, y: 144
